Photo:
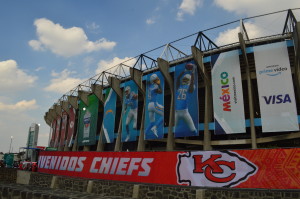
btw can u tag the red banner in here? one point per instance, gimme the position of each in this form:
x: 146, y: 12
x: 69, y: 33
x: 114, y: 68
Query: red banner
x: 71, y: 126
x: 52, y: 133
x: 261, y: 168
x: 63, y: 130
x: 57, y: 131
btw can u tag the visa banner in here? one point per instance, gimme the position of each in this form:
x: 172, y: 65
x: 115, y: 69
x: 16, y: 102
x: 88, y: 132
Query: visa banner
x: 275, y: 88
x: 260, y: 168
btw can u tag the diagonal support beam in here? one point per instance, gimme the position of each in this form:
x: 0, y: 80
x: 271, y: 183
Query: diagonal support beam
x: 250, y: 94
x: 198, y: 57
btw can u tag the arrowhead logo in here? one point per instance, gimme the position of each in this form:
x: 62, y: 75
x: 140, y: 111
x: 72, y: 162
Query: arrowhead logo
x: 213, y: 169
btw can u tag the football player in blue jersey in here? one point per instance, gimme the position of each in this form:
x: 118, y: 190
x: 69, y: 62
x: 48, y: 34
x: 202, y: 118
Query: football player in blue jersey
x: 153, y: 107
x: 130, y: 102
x: 184, y: 87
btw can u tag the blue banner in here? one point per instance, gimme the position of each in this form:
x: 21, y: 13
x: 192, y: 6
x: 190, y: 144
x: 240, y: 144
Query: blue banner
x: 129, y: 112
x: 186, y: 100
x: 109, y: 116
x: 154, y: 118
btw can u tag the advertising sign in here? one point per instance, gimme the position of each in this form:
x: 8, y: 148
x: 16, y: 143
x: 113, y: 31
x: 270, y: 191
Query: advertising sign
x: 52, y: 133
x: 275, y: 88
x: 108, y: 124
x: 186, y: 100
x: 57, y: 131
x: 71, y: 126
x: 154, y: 118
x: 63, y: 128
x: 88, y: 121
x: 261, y: 168
x: 227, y: 93
x: 129, y: 112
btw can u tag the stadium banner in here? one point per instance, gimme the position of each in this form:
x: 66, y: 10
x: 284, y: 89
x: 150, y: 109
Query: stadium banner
x: 71, y: 126
x: 129, y: 112
x: 88, y: 121
x: 154, y: 114
x: 275, y: 88
x: 64, y: 126
x: 57, y: 131
x: 52, y: 133
x: 108, y: 124
x: 227, y: 91
x: 260, y: 168
x: 186, y: 100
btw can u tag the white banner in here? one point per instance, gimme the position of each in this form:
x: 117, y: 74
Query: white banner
x: 275, y: 88
x: 227, y: 93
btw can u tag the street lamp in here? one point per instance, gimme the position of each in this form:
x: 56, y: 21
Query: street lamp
x: 11, y: 138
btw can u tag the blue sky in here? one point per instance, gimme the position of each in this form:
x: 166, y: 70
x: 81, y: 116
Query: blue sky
x: 48, y: 47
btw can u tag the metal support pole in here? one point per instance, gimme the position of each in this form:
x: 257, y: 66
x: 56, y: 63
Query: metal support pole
x: 164, y: 66
x: 198, y: 57
x: 250, y: 95
x: 136, y: 76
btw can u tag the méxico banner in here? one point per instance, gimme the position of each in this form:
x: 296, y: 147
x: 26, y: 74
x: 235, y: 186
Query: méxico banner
x: 227, y: 93
x: 186, y: 100
x: 57, y: 131
x: 63, y: 130
x: 71, y: 126
x: 260, y: 168
x: 275, y: 88
x: 154, y: 118
x: 108, y: 124
x: 88, y: 121
x: 129, y: 112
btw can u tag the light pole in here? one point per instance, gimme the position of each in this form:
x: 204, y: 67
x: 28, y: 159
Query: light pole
x: 11, y: 138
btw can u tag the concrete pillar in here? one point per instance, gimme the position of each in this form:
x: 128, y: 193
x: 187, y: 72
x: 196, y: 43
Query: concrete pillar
x: 115, y: 85
x: 89, y: 188
x: 164, y: 66
x: 97, y: 90
x: 198, y: 57
x: 65, y: 106
x: 135, y: 191
x: 250, y: 94
x: 200, y: 193
x: 84, y: 97
x: 54, y: 182
x: 23, y: 177
x: 137, y: 77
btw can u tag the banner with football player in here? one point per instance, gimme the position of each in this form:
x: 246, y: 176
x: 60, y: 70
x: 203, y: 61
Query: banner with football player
x: 63, y: 130
x: 71, y: 126
x: 57, y: 131
x: 154, y: 118
x: 129, y: 112
x: 186, y: 100
x: 88, y: 121
x: 108, y: 124
x: 227, y: 93
x: 275, y: 88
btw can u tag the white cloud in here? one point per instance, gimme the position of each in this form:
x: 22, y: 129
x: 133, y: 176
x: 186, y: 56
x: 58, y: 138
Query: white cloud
x: 93, y: 27
x: 62, y: 82
x: 65, y: 41
x: 106, y: 64
x: 19, y: 106
x: 39, y: 68
x: 13, y: 78
x: 150, y: 21
x: 255, y: 7
x: 231, y: 35
x: 188, y: 7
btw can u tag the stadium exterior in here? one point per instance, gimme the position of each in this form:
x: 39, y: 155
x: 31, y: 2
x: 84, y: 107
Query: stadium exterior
x: 206, y: 115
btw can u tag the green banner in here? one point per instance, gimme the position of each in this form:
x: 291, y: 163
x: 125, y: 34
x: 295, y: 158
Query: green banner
x: 87, y: 123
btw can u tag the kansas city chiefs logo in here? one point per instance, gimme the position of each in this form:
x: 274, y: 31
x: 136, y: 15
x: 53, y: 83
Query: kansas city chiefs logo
x: 213, y: 169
